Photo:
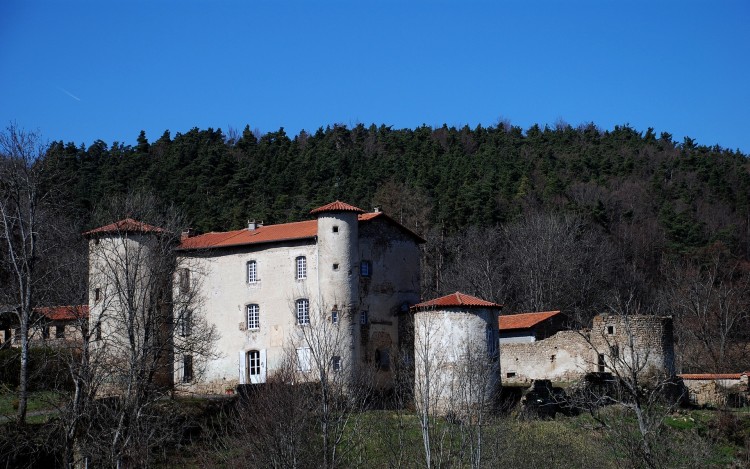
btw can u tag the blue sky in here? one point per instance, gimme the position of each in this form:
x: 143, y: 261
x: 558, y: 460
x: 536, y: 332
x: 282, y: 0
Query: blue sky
x: 80, y: 71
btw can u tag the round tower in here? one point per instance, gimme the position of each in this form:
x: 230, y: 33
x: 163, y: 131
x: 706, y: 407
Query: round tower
x: 456, y: 362
x: 337, y: 266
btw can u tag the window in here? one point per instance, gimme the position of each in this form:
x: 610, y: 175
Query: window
x: 97, y: 294
x: 45, y: 332
x: 610, y: 330
x: 365, y: 268
x: 383, y: 359
x: 253, y: 317
x: 335, y: 267
x: 186, y: 323
x: 184, y: 280
x: 303, y: 311
x: 552, y: 358
x: 335, y: 229
x: 335, y: 316
x: 510, y: 374
x: 336, y: 363
x: 253, y: 364
x: 600, y: 363
x: 187, y: 368
x: 303, y: 359
x: 614, y: 351
x: 363, y: 317
x: 98, y: 331
x: 59, y: 332
x: 252, y: 271
x: 301, y: 268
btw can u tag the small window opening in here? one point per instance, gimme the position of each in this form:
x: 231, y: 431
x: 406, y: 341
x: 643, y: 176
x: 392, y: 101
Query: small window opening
x: 336, y: 363
x: 97, y: 294
x: 187, y: 368
x: 610, y: 330
x: 510, y: 374
x: 335, y: 316
x: 552, y: 358
x: 59, y: 332
x: 335, y: 267
x: 363, y: 317
x: 45, y: 332
x: 335, y: 229
x: 365, y: 268
x: 600, y: 363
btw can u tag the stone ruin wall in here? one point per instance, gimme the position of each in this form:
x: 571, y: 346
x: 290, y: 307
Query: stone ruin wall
x: 564, y: 356
x: 653, y: 339
x: 567, y: 355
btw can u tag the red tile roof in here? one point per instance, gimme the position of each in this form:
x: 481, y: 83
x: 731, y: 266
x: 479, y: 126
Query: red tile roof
x: 707, y: 376
x: 275, y: 233
x: 457, y: 300
x: 337, y: 206
x: 262, y: 234
x: 128, y: 225
x: 64, y: 313
x: 524, y: 320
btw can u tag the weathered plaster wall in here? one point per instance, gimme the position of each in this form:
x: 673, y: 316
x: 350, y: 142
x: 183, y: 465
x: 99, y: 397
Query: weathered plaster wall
x: 448, y: 344
x: 565, y: 356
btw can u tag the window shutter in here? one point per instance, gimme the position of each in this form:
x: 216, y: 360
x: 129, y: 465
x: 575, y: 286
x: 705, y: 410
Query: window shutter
x: 243, y: 367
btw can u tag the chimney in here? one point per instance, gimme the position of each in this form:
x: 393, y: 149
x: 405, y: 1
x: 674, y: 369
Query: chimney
x: 188, y: 233
x: 376, y: 209
x: 251, y: 225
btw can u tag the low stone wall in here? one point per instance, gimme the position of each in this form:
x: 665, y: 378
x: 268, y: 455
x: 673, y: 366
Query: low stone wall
x: 565, y: 356
x: 719, y: 391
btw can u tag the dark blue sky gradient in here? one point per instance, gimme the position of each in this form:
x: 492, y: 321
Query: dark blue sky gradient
x: 80, y: 71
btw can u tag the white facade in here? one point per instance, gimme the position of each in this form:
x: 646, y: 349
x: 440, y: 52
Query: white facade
x: 347, y: 275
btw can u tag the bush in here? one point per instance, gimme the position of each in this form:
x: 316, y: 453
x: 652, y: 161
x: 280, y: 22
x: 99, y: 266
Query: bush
x: 47, y: 369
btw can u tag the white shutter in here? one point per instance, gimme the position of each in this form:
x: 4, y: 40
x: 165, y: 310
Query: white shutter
x: 263, y: 366
x: 243, y: 367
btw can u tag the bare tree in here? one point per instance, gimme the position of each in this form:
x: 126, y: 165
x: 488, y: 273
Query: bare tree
x: 711, y: 301
x: 324, y: 346
x: 24, y: 211
x: 642, y: 389
x: 144, y: 326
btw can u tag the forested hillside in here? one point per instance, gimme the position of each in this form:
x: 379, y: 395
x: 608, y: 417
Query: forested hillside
x: 579, y: 219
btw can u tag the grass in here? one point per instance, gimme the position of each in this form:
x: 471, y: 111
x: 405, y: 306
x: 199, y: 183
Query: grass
x: 38, y: 402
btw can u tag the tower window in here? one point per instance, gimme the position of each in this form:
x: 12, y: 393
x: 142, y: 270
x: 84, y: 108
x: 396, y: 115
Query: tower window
x: 365, y: 268
x: 363, y: 317
x: 335, y: 229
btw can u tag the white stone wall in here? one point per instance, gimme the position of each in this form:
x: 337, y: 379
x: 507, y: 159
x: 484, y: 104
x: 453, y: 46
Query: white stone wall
x: 224, y: 295
x: 448, y: 344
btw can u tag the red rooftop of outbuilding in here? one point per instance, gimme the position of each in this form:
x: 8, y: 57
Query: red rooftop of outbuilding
x: 457, y: 299
x: 337, y: 206
x: 711, y: 376
x: 64, y: 313
x: 524, y: 320
x: 127, y: 225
